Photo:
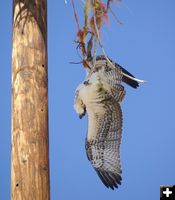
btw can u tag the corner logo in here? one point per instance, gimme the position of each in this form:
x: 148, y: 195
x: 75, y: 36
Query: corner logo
x: 167, y: 192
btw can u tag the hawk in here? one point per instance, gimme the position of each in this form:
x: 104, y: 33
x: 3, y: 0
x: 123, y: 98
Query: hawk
x: 100, y: 96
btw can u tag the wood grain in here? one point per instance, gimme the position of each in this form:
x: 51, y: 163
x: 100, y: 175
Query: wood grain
x: 30, y: 145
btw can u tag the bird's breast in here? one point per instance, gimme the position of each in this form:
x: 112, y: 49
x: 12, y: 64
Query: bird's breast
x: 92, y: 94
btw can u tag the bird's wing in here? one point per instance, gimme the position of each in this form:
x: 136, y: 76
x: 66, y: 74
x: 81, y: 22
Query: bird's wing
x: 103, y: 150
x: 107, y: 73
x: 119, y: 74
x: 111, y: 79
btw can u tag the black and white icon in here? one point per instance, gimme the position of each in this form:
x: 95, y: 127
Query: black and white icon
x: 167, y: 192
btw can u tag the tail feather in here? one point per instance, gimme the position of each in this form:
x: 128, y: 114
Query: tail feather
x: 127, y: 80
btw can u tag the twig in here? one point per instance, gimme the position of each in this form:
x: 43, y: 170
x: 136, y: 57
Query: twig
x: 115, y: 17
x: 112, y: 65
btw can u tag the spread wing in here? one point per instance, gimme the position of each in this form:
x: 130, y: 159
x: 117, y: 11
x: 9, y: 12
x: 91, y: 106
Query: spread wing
x: 111, y: 78
x: 103, y: 143
x: 115, y: 76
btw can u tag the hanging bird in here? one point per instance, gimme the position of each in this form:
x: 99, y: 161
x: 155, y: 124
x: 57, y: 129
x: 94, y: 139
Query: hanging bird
x: 100, y: 96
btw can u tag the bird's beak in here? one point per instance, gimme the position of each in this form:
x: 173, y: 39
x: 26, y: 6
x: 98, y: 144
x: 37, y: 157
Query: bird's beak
x: 81, y: 116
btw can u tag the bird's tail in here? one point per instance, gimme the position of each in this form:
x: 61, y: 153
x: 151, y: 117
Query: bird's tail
x: 129, y: 79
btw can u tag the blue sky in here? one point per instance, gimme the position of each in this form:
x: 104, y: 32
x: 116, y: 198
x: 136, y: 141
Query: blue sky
x: 145, y: 46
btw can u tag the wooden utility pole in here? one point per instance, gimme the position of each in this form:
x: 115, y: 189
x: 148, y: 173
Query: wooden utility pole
x: 30, y: 149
